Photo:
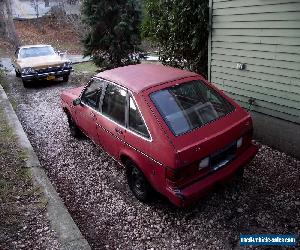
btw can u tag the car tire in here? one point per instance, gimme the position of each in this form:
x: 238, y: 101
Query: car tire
x: 74, y: 130
x: 66, y: 78
x: 138, y: 184
x: 18, y: 74
x: 240, y: 174
x: 25, y: 83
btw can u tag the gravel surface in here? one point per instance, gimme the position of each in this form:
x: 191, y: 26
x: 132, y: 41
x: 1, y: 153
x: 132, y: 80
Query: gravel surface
x: 95, y: 192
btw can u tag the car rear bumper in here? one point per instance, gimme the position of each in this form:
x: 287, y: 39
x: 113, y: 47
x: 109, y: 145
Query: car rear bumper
x: 188, y: 195
x: 44, y: 76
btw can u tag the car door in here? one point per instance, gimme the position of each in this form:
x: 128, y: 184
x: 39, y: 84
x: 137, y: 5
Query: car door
x: 111, y: 125
x: 87, y: 112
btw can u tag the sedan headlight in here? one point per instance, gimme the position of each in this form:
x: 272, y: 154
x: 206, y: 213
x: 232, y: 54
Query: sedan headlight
x: 67, y: 64
x: 28, y: 70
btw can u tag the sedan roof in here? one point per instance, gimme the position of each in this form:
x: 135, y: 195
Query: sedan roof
x: 143, y: 76
x: 35, y: 46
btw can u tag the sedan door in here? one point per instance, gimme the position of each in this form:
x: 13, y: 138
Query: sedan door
x: 87, y: 112
x: 111, y: 125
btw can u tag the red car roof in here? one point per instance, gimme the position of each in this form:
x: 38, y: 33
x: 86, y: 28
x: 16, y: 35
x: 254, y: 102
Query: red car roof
x: 143, y: 76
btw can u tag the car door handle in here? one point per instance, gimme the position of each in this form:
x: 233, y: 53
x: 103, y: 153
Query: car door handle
x: 119, y: 131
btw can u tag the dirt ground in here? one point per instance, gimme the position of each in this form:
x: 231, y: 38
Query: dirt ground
x: 96, y: 194
x: 47, y: 30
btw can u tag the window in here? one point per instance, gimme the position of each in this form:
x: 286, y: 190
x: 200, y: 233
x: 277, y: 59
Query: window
x: 92, y: 94
x: 36, y: 51
x: 114, y: 103
x: 190, y: 105
x: 136, y: 122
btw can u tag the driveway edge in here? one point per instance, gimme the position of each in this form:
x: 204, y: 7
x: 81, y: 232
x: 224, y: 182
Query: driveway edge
x: 69, y: 235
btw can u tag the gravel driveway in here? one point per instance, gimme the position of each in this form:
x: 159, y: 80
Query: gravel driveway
x: 95, y: 192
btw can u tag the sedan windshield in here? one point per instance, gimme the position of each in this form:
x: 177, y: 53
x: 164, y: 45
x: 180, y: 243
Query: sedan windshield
x: 190, y: 105
x: 36, y: 51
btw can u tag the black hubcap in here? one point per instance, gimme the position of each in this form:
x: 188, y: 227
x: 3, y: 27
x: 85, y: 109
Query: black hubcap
x: 138, y: 183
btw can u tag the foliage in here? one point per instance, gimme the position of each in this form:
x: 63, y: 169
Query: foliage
x: 180, y: 29
x: 114, y: 31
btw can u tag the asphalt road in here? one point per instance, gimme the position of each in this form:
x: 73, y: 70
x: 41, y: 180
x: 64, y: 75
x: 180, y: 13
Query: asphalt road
x: 95, y: 192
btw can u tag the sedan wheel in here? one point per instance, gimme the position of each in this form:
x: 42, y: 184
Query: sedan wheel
x: 25, y: 83
x: 65, y: 78
x: 138, y: 184
x: 75, y: 131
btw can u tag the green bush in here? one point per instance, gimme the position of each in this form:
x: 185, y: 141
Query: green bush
x: 180, y: 29
x: 113, y: 31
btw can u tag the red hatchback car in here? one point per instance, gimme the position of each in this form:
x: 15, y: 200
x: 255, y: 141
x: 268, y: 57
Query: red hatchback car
x: 173, y: 131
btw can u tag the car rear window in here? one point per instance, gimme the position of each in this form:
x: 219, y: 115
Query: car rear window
x: 190, y: 105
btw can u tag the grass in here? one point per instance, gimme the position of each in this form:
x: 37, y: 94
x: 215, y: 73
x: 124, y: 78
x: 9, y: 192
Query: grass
x: 3, y: 83
x: 18, y: 195
x: 8, y: 150
x: 85, y: 67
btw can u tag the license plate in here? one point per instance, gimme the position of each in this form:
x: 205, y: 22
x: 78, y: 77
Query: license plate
x: 49, y: 78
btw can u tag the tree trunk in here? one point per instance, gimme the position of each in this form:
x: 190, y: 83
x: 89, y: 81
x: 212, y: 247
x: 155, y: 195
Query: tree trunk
x: 7, y: 26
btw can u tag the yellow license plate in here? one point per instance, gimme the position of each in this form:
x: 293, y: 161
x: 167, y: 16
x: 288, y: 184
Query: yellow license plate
x: 50, y: 78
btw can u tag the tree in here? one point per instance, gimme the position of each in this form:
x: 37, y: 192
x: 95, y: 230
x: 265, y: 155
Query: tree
x: 113, y: 31
x: 7, y: 26
x: 180, y: 29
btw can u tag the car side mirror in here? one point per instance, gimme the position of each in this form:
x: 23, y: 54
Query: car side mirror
x: 77, y: 101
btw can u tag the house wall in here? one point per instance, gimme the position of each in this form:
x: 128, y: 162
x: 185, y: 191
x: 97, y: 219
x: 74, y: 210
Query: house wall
x: 263, y: 36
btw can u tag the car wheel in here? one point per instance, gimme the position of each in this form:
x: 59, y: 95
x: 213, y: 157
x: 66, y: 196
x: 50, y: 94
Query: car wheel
x: 66, y: 78
x: 240, y: 174
x: 138, y: 184
x: 75, y: 131
x: 18, y: 74
x: 25, y: 83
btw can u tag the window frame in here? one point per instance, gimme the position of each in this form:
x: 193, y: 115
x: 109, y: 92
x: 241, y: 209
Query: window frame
x: 129, y: 92
x: 129, y: 95
x: 211, y: 89
x: 99, y: 104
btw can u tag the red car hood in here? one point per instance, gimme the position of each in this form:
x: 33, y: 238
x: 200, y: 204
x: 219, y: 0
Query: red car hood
x: 75, y: 91
x: 72, y: 93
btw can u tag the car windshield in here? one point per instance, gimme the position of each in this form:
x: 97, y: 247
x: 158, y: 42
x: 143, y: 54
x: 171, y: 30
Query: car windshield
x: 190, y: 105
x: 36, y: 51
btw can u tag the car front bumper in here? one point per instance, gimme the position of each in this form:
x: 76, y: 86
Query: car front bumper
x: 190, y: 194
x: 45, y: 75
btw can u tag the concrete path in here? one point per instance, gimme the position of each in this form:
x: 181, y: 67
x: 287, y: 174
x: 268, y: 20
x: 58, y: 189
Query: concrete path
x: 78, y: 58
x: 69, y: 236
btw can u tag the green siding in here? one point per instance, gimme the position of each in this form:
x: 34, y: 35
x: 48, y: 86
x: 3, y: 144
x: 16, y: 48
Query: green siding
x: 265, y: 35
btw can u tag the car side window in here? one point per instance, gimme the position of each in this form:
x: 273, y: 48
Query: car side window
x: 92, y: 94
x: 114, y: 103
x: 136, y: 123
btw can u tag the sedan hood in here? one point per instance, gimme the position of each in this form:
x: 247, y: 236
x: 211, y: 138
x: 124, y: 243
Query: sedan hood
x: 41, y: 61
x: 76, y: 91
